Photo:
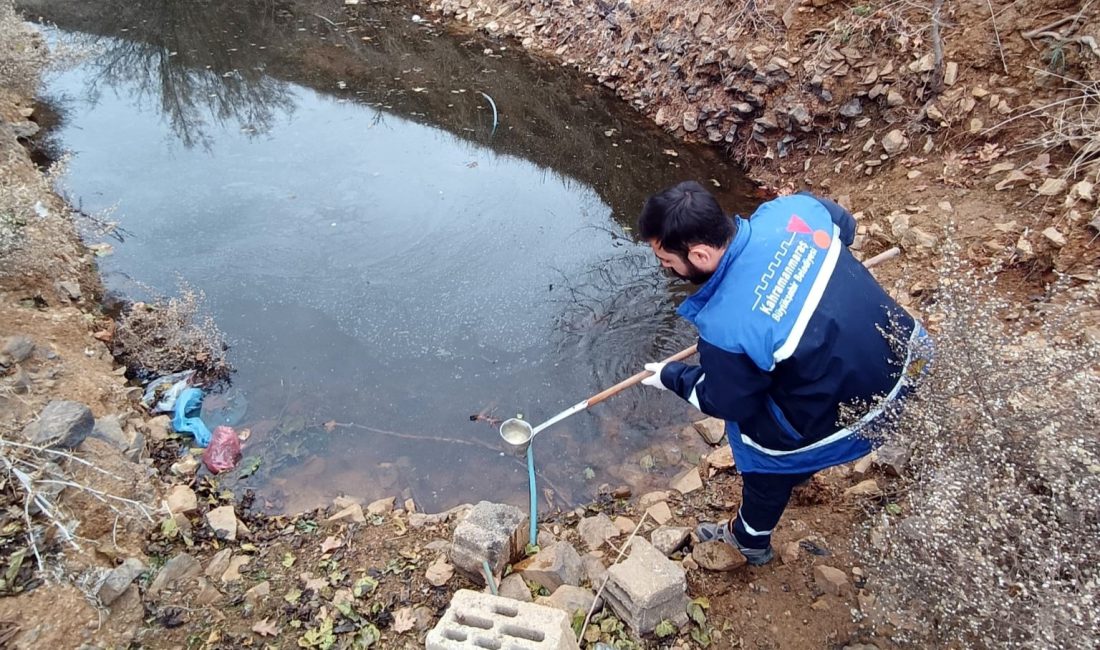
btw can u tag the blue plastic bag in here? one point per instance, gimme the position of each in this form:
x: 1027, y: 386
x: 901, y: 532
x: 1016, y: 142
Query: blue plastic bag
x: 185, y: 416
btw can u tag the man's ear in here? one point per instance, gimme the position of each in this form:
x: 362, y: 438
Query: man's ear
x: 701, y: 255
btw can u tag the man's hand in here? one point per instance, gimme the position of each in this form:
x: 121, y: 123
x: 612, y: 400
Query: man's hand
x: 654, y: 380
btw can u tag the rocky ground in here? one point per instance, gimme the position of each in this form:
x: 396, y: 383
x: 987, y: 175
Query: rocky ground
x: 930, y: 122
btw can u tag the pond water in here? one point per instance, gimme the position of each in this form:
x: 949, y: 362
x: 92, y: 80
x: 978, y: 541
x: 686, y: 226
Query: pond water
x: 396, y: 227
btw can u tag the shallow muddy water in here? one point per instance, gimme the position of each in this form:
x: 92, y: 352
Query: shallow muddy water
x: 384, y: 260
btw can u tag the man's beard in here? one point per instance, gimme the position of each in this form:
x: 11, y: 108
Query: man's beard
x: 695, y: 275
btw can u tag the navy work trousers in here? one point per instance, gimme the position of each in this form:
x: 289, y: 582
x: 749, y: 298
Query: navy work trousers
x: 764, y: 497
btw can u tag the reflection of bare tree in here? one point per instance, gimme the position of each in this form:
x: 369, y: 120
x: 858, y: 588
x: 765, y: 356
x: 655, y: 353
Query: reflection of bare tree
x: 198, y: 69
x: 622, y: 311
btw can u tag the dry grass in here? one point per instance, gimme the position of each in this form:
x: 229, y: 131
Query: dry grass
x: 1000, y: 544
x: 171, y: 335
x: 23, y: 53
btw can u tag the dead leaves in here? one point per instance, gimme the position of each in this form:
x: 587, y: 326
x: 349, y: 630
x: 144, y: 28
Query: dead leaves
x: 330, y: 544
x: 266, y: 627
x: 404, y: 620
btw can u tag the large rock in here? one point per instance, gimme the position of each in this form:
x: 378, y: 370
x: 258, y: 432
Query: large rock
x: 62, y: 424
x: 491, y: 532
x: 118, y: 580
x: 554, y: 566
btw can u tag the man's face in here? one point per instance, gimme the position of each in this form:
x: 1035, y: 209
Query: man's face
x: 682, y: 268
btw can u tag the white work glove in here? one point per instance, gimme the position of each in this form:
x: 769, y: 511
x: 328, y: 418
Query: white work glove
x: 654, y: 380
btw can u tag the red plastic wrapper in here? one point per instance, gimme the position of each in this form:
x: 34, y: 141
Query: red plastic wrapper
x: 224, y: 451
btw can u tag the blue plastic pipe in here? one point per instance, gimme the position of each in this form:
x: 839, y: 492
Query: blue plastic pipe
x: 534, y: 494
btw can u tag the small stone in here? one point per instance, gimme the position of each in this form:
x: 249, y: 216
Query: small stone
x: 950, y: 73
x: 1056, y: 238
x: 223, y: 522
x: 712, y: 430
x: 513, y: 586
x: 109, y: 428
x: 721, y: 458
x: 934, y: 113
x: 593, y: 568
x: 16, y: 350
x: 569, y: 599
x: 976, y: 125
x: 790, y: 552
x: 650, y: 498
x: 688, y: 482
x: 660, y: 512
x: 621, y: 492
x: 689, y: 563
x: 669, y: 539
x: 691, y: 121
x: 852, y: 108
x: 381, y: 506
x: 597, y: 530
x: 894, y: 141
x: 717, y: 556
x: 69, y: 289
x: 424, y: 617
x: 258, y: 594
x: 182, y: 499
x: 233, y: 573
x: 62, y: 424
x: 118, y: 580
x: 175, y: 571
x: 625, y: 525
x: 353, y: 512
x: 863, y: 465
x: 830, y: 580
x: 892, y: 457
x: 158, y: 427
x: 894, y: 98
x: 552, y: 567
x: 1052, y: 186
x: 819, y: 605
x: 186, y: 466
x: 1014, y: 178
x: 864, y: 489
x: 439, y: 572
x: 208, y: 594
x: 219, y: 563
x: 410, y: 506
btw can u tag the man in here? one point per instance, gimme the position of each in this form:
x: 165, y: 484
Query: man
x: 794, y: 333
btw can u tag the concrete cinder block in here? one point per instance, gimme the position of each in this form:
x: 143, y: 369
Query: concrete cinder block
x: 556, y: 565
x: 492, y: 532
x: 476, y: 620
x: 647, y: 588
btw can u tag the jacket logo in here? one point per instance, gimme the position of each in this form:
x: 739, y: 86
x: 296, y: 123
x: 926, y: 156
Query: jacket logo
x: 786, y: 273
x: 798, y: 226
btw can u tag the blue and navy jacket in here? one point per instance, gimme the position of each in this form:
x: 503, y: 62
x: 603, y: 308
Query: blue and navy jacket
x: 792, y: 327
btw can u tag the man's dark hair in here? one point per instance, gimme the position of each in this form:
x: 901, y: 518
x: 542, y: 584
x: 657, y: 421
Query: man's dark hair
x: 682, y: 216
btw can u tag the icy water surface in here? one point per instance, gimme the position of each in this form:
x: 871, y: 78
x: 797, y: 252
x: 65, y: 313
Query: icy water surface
x: 381, y: 257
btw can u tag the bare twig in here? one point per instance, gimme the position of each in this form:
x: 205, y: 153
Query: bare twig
x: 599, y: 592
x: 55, y: 452
x: 937, y: 49
x: 104, y: 496
x: 996, y: 35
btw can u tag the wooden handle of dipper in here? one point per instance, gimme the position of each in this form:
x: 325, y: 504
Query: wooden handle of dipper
x: 888, y: 254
